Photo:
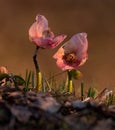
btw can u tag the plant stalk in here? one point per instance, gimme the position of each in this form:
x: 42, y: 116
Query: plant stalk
x: 38, y: 73
x: 70, y: 83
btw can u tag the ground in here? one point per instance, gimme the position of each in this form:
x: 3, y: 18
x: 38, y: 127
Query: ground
x: 30, y: 110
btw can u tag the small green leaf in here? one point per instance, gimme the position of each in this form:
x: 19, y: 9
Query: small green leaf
x: 27, y: 79
x: 18, y: 80
x: 110, y: 99
x: 33, y: 78
x: 92, y: 92
x: 76, y: 74
x: 3, y: 76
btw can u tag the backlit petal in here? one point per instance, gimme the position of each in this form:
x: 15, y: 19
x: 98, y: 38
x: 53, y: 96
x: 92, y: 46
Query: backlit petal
x: 78, y: 46
x: 38, y: 27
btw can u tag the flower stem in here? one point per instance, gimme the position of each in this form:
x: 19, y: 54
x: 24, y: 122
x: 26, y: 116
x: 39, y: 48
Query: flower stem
x: 70, y: 83
x: 38, y: 73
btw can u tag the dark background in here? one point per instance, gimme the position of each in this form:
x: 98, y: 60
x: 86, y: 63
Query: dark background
x: 96, y: 17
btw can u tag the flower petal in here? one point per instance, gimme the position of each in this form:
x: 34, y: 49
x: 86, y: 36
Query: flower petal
x: 59, y: 54
x: 77, y: 45
x: 49, y: 42
x: 42, y: 36
x: 38, y: 27
x: 77, y: 42
x: 60, y: 62
x: 58, y: 39
x: 43, y: 42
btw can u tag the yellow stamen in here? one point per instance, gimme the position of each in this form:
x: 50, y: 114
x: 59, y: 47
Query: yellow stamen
x: 70, y: 58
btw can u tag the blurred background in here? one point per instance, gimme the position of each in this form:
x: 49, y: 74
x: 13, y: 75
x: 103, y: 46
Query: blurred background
x: 96, y: 17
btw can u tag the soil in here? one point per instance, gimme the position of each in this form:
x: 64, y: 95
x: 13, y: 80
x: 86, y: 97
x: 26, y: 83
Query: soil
x: 30, y: 110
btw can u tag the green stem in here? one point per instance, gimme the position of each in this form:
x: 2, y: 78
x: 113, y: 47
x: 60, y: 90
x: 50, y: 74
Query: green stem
x: 38, y: 73
x: 82, y: 91
x: 70, y: 83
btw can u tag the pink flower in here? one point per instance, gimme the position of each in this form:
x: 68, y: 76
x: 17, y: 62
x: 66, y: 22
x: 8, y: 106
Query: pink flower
x: 73, y: 53
x: 41, y: 35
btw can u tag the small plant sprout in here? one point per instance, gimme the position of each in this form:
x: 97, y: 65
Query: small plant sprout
x: 27, y: 80
x: 72, y: 55
x: 6, y: 78
x: 92, y: 92
x: 44, y: 38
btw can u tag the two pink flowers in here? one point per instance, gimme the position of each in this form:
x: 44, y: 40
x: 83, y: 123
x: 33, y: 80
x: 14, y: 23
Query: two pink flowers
x: 69, y: 56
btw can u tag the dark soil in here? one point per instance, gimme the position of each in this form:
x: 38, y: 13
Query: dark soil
x: 30, y: 110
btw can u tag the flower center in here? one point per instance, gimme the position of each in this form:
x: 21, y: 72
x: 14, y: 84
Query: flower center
x: 70, y: 58
x: 46, y: 33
